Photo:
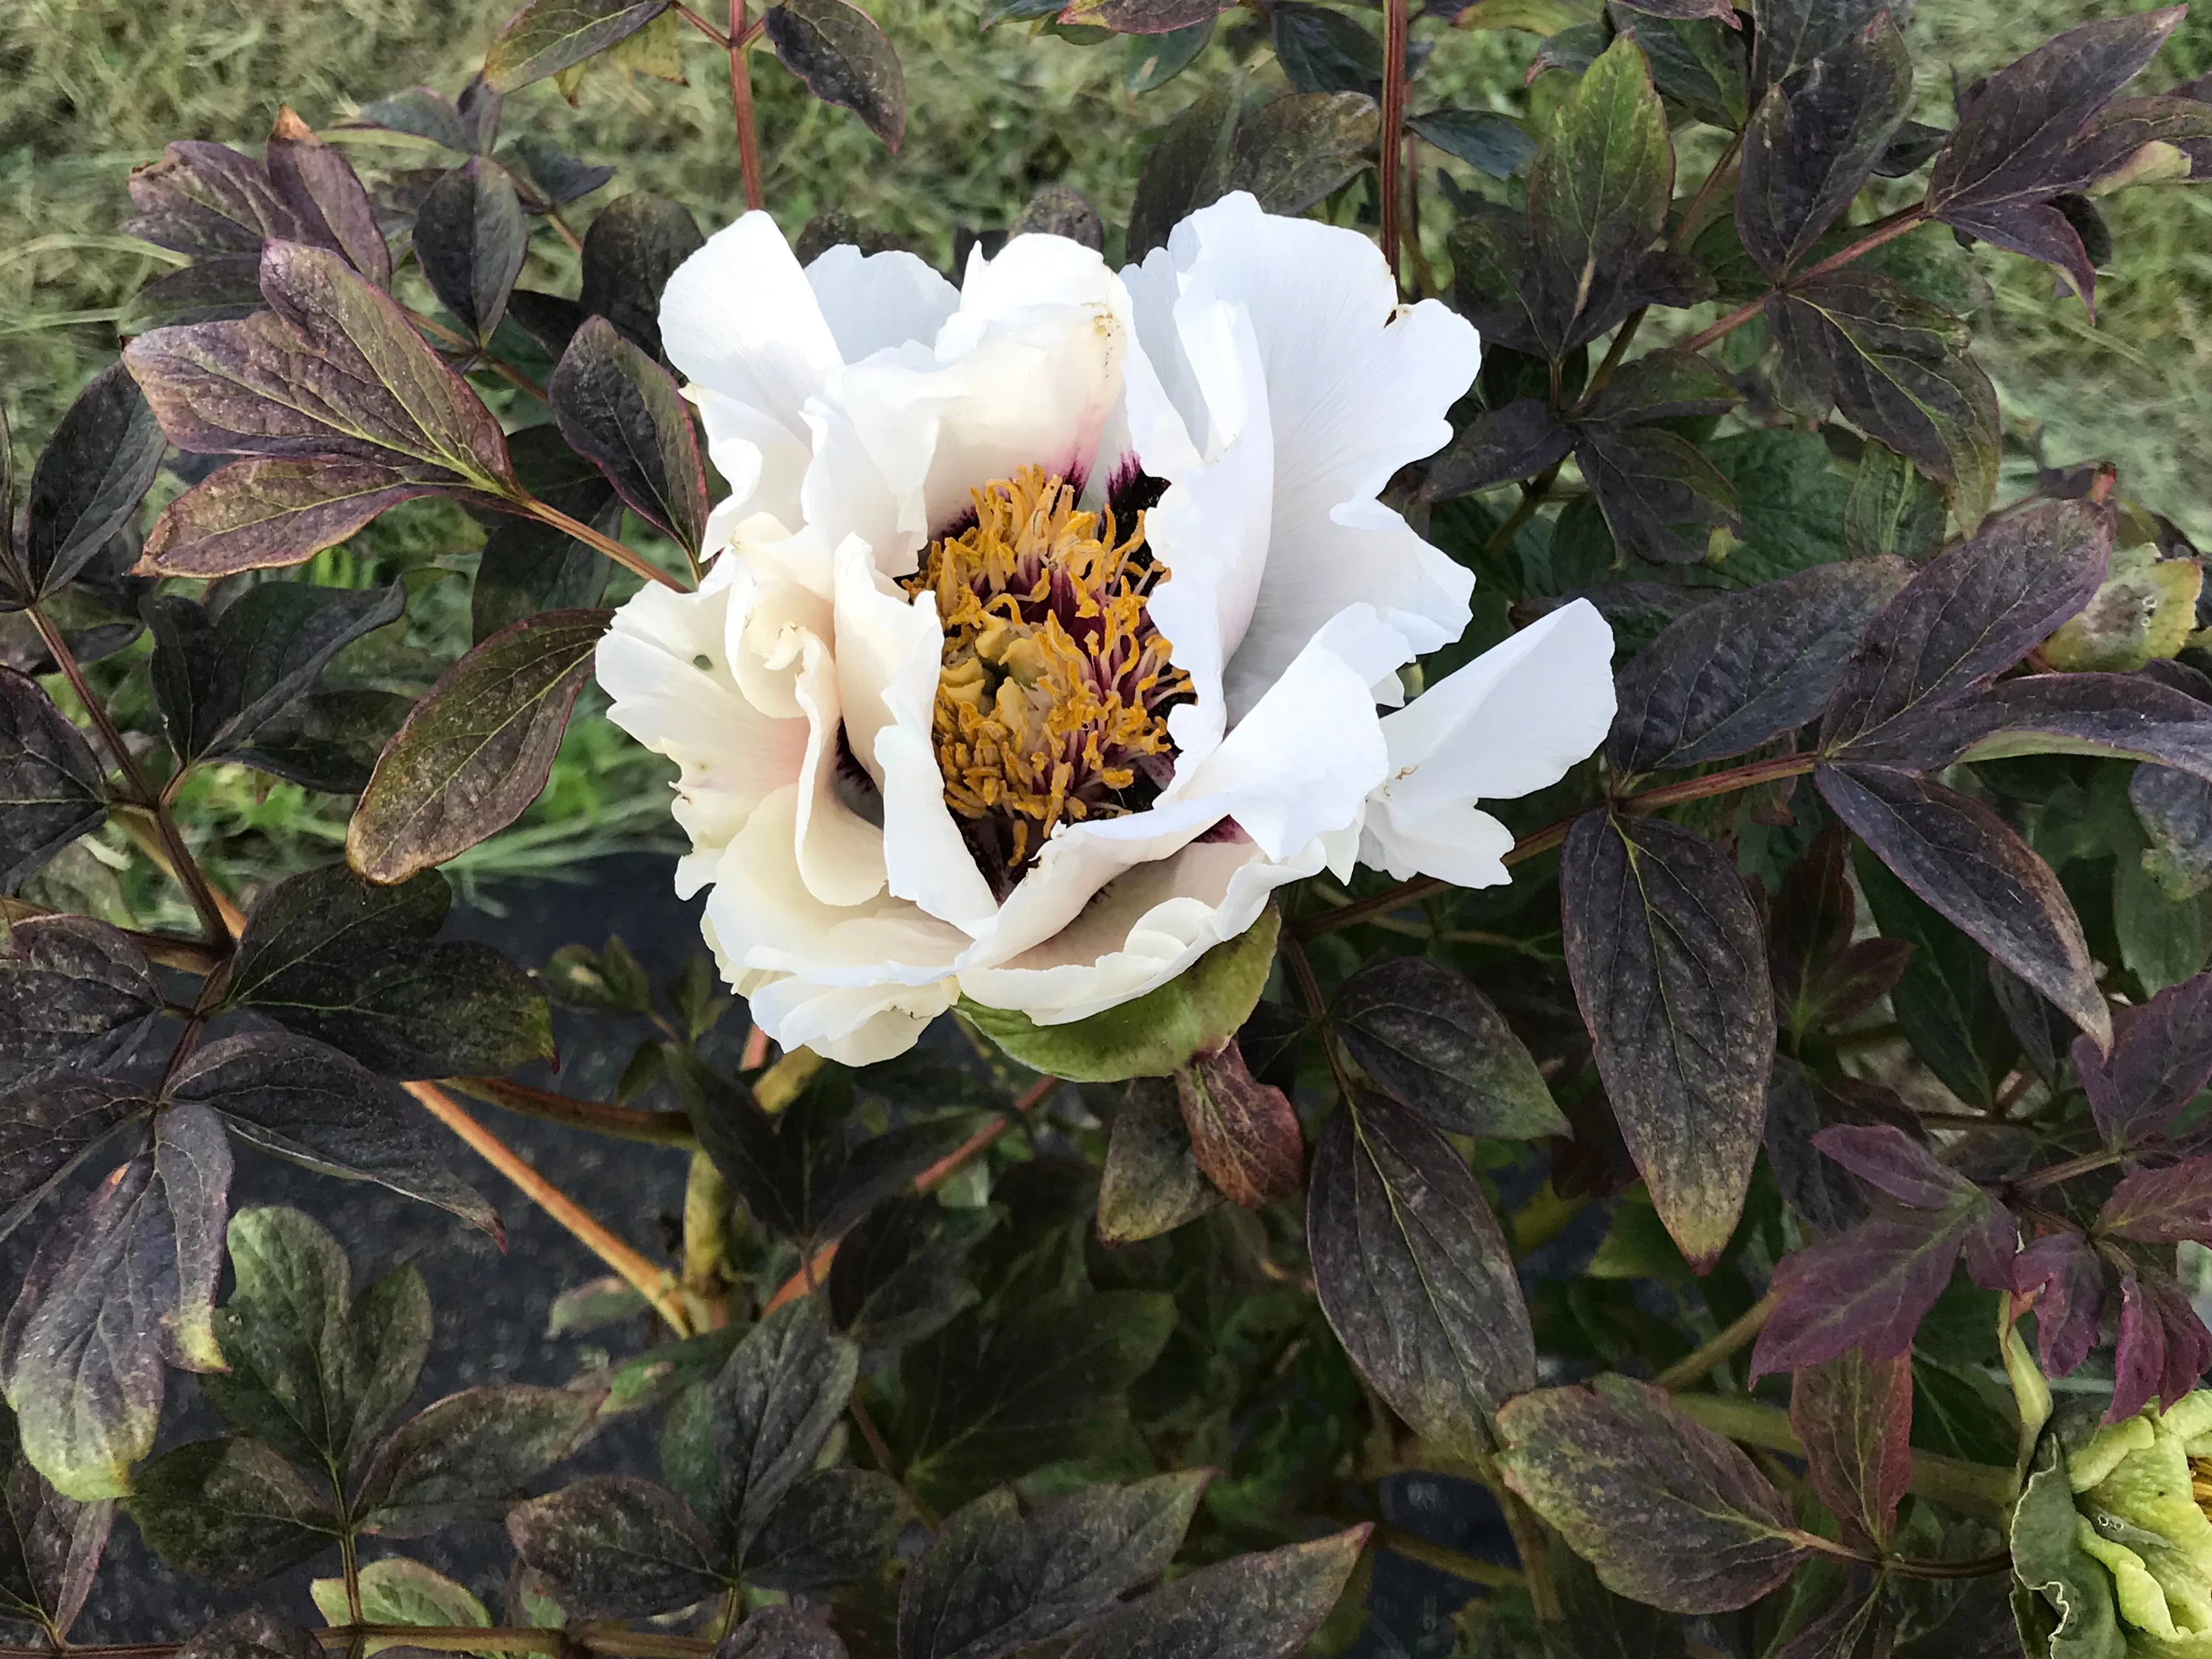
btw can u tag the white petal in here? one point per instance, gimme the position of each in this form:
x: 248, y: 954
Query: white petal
x: 1511, y: 721
x: 853, y: 1025
x: 662, y: 663
x: 841, y: 854
x: 1210, y: 526
x: 1302, y: 763
x: 739, y: 318
x: 1034, y: 389
x: 765, y: 918
x: 889, y: 650
x: 762, y: 459
x: 1030, y: 271
x: 874, y: 301
x: 1142, y: 931
x: 1355, y: 390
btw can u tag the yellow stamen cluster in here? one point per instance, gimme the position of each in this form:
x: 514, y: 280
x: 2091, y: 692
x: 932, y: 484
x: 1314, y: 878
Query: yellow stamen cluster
x: 1053, y: 694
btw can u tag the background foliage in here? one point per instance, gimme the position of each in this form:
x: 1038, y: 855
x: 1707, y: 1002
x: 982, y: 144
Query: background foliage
x: 1847, y: 1024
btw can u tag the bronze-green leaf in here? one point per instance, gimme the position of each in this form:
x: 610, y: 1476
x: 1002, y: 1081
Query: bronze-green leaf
x: 1667, y: 1511
x: 1669, y: 964
x: 475, y: 752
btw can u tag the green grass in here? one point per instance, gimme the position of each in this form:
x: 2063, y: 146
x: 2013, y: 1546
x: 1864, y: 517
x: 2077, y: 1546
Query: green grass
x: 90, y: 88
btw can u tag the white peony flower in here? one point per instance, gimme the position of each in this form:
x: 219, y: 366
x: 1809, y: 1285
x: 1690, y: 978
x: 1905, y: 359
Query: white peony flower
x: 1051, y: 615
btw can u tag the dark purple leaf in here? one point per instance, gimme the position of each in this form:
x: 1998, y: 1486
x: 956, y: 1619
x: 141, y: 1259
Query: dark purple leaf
x: 1814, y: 1188
x: 257, y: 515
x: 844, y: 58
x: 994, y: 1580
x: 734, y: 1449
x: 1858, y: 1622
x: 2128, y: 716
x: 1967, y: 863
x: 1186, y: 167
x: 1669, y: 963
x: 50, y: 1126
x: 75, y: 995
x: 422, y: 111
x: 52, y: 789
x: 2015, y: 130
x: 1413, y: 1273
x: 2160, y: 1059
x: 218, y: 681
x: 207, y: 199
x: 1661, y: 498
x: 1493, y: 143
x: 836, y: 1527
x: 1516, y: 441
x: 547, y: 36
x: 332, y: 370
x: 49, y: 1545
x: 319, y: 186
x: 1791, y: 33
x: 549, y: 318
x: 1668, y: 1512
x: 1896, y: 366
x: 1293, y: 152
x: 1262, y: 1605
x: 1814, y: 142
x: 2069, y: 1312
x: 354, y: 965
x: 1425, y: 1034
x: 1151, y: 1183
x: 121, y: 1285
x: 466, y: 1456
x: 302, y: 1101
x: 1664, y: 386
x: 470, y: 240
x: 1243, y: 1133
x: 630, y: 252
x: 2164, y: 1348
x: 561, y: 178
x: 527, y: 568
x: 1869, y: 1287
x: 88, y: 480
x: 614, y: 1547
x: 1886, y: 1158
x: 474, y: 753
x: 784, y: 1631
x: 1744, y: 668
x: 230, y: 1511
x: 2162, y: 1206
x: 1853, y: 1414
x: 622, y: 411
x: 212, y: 290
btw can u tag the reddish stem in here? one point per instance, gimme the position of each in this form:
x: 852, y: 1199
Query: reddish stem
x: 1394, y: 123
x: 741, y: 98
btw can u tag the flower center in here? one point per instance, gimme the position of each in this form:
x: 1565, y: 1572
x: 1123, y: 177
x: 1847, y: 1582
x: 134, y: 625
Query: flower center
x: 1053, y: 699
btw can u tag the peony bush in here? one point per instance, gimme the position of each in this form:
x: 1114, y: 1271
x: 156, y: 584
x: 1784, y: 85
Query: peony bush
x: 1442, y: 861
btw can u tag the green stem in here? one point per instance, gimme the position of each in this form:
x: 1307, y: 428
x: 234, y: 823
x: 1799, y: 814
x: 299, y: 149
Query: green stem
x: 1980, y: 1489
x: 706, y: 1244
x: 1458, y: 1563
x: 2035, y: 1180
x: 1696, y: 1367
x: 1533, y: 496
